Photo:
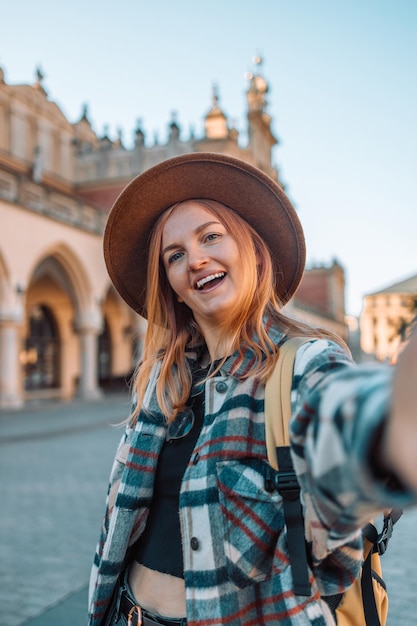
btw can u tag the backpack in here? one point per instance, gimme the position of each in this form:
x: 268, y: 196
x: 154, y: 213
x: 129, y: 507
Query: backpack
x: 365, y: 603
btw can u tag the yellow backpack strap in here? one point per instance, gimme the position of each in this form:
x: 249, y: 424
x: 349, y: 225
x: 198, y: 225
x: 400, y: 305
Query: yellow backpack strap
x: 278, y: 398
x: 277, y: 417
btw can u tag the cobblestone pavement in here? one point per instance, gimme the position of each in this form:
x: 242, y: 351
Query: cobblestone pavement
x: 54, y: 465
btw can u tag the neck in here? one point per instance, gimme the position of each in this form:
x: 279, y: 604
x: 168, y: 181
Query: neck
x: 217, y: 347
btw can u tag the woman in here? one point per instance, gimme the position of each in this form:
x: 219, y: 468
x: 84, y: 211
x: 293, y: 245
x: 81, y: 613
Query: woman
x: 209, y: 249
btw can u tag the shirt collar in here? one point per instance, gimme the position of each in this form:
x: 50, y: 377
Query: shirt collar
x: 239, y: 365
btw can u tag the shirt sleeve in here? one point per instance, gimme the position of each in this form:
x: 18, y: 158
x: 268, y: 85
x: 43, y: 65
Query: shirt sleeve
x: 338, y: 408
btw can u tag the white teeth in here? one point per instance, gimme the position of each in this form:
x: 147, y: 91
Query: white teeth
x: 207, y: 279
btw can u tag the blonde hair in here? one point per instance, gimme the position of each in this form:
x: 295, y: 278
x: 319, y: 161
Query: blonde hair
x: 172, y: 330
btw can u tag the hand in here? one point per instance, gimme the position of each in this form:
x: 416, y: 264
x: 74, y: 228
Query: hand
x: 400, y: 445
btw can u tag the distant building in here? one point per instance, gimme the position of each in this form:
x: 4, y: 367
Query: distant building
x: 63, y: 328
x: 103, y: 167
x: 320, y: 298
x: 386, y: 318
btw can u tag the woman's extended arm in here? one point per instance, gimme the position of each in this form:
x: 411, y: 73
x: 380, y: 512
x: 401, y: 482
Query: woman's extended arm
x: 399, y: 442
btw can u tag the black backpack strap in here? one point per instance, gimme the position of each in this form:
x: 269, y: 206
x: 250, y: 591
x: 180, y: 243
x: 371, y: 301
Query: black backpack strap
x: 379, y: 544
x: 368, y: 597
x: 287, y: 486
x: 385, y: 535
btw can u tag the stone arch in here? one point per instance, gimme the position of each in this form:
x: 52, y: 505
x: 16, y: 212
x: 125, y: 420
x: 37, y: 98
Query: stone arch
x: 66, y: 267
x: 59, y: 289
x: 120, y: 339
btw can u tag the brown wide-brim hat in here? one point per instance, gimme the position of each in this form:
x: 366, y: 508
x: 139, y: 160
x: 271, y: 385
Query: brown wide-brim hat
x: 232, y: 182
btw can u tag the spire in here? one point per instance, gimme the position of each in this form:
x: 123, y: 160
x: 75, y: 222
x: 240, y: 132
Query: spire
x: 215, y: 96
x: 38, y: 85
x: 105, y: 141
x: 258, y: 87
x: 260, y: 136
x: 84, y: 114
x: 174, y: 129
x: 215, y: 120
x: 139, y: 134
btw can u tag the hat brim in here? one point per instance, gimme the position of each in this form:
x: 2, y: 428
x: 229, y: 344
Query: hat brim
x: 232, y: 182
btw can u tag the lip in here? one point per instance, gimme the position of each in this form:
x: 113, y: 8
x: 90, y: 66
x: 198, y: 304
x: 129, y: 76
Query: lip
x: 205, y: 282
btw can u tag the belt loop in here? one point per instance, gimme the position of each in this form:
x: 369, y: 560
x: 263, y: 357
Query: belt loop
x: 120, y: 592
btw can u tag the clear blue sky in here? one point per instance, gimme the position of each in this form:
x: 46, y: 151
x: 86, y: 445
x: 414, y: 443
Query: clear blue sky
x: 343, y: 98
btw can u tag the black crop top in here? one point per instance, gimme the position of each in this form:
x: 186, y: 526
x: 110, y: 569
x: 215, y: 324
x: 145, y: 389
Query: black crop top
x: 159, y: 547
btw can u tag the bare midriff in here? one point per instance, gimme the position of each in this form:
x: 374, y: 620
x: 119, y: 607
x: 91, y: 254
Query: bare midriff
x: 157, y: 592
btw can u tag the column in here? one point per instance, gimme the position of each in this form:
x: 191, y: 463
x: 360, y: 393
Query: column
x: 88, y: 386
x: 11, y: 392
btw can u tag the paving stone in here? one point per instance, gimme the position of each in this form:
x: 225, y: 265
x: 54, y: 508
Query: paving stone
x: 55, y: 461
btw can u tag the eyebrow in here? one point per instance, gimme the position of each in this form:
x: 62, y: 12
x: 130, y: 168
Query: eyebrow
x: 197, y: 231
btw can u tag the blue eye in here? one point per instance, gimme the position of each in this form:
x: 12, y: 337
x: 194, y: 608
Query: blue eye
x: 174, y: 257
x: 212, y: 236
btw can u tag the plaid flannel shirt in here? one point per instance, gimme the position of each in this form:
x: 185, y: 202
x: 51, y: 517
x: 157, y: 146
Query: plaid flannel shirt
x: 236, y: 565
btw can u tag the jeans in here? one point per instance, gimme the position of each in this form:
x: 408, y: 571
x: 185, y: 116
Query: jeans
x: 117, y: 617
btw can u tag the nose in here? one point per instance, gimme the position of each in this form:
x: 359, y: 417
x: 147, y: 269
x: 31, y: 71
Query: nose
x: 196, y: 258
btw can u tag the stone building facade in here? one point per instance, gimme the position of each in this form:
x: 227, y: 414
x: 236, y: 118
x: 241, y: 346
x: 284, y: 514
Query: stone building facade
x: 386, y: 319
x: 63, y: 328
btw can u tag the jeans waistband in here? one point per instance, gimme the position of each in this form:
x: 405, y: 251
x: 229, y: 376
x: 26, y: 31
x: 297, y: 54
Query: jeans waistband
x: 128, y: 605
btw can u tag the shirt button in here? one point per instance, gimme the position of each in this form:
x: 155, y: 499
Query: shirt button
x: 194, y: 543
x: 221, y: 387
x: 196, y: 458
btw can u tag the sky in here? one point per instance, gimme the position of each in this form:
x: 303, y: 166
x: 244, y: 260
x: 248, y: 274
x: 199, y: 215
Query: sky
x: 342, y: 98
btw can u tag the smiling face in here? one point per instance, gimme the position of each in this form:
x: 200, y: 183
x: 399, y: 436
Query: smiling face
x: 202, y: 263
